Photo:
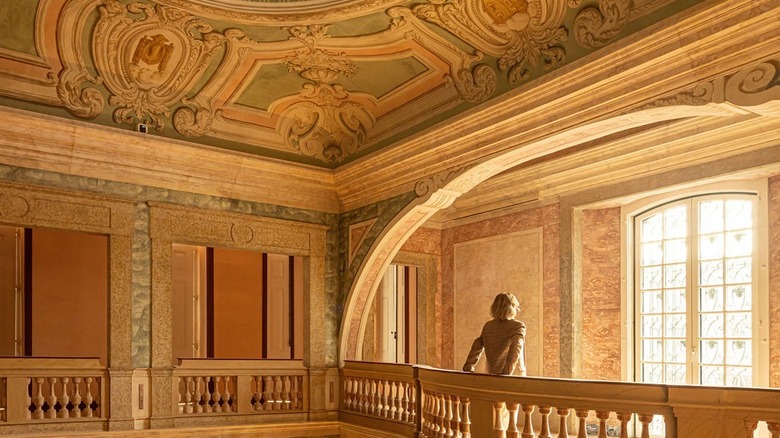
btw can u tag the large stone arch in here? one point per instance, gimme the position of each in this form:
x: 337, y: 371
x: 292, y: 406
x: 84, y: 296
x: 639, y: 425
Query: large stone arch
x: 751, y: 90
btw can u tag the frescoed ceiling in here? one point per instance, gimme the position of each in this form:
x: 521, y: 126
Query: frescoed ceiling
x: 311, y: 81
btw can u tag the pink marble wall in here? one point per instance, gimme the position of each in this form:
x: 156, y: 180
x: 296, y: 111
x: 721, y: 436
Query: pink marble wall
x: 601, y: 295
x: 548, y: 219
x: 774, y: 281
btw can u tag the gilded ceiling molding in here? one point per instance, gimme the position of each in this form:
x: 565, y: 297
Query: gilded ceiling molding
x: 325, y: 122
x: 520, y: 33
x: 82, y: 102
x: 474, y: 84
x: 284, y: 13
x: 150, y: 63
x: 595, y: 27
x: 755, y: 88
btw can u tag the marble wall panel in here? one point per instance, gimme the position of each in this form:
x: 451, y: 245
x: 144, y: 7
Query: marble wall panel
x: 601, y: 295
x: 545, y: 218
x: 774, y: 280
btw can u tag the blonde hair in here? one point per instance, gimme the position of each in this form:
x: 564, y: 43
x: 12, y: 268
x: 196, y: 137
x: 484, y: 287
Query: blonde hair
x: 505, y: 306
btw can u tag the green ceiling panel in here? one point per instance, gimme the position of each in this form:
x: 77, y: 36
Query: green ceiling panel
x: 18, y: 30
x: 271, y: 82
x: 380, y: 77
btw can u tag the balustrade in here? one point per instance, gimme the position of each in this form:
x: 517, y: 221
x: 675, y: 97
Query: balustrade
x: 465, y: 405
x: 226, y: 387
x: 40, y: 390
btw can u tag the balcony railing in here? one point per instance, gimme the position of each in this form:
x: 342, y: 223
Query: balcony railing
x: 430, y: 402
x: 203, y: 387
x: 52, y: 390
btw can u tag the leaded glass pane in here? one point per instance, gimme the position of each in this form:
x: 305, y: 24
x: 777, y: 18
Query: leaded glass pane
x: 739, y: 376
x: 739, y: 243
x: 651, y: 326
x: 711, y: 352
x: 739, y: 297
x: 675, y: 351
x: 739, y: 352
x: 711, y: 325
x: 711, y: 375
x: 710, y: 217
x: 674, y: 300
x: 738, y: 325
x: 651, y: 302
x: 651, y: 350
x: 710, y: 299
x: 711, y: 247
x: 651, y: 278
x: 651, y: 373
x: 711, y: 273
x: 675, y: 251
x: 739, y: 214
x: 739, y: 270
x: 675, y: 374
x: 675, y: 224
x: 674, y: 275
x: 652, y: 254
x: 652, y: 228
x: 675, y: 326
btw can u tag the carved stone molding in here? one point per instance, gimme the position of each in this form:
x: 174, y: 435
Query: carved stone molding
x: 595, y: 27
x: 324, y: 121
x: 755, y: 88
x: 520, y: 33
x: 150, y: 63
x: 431, y: 184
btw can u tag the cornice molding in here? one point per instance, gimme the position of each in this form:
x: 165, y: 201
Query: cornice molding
x: 60, y: 145
x: 710, y: 40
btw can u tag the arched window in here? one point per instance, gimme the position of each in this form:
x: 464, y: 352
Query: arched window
x: 700, y: 316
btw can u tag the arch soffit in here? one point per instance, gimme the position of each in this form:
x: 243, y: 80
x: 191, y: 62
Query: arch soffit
x: 752, y: 90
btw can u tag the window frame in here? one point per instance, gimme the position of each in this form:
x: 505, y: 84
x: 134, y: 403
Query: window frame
x: 634, y: 209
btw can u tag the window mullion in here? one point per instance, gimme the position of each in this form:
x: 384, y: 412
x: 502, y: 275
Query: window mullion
x: 692, y: 315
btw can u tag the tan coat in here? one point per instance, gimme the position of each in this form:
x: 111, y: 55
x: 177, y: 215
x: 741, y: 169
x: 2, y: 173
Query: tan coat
x: 503, y: 342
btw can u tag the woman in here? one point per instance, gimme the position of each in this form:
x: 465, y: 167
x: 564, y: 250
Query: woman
x: 502, y: 339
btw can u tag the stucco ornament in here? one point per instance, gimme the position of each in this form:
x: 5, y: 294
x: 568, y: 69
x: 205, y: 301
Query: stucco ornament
x: 150, y: 57
x: 520, y: 33
x: 323, y: 121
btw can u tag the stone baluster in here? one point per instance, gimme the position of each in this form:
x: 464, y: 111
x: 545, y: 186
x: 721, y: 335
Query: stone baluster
x: 267, y: 393
x: 216, y: 396
x: 64, y: 399
x: 456, y: 418
x: 286, y: 385
x: 297, y: 398
x: 438, y: 414
x: 448, y: 415
x: 208, y: 397
x: 228, y: 395
x: 39, y: 399
x: 76, y: 397
x: 89, y: 401
x: 187, y: 409
x: 750, y: 427
x: 198, y: 407
x: 511, y: 428
x: 624, y: 418
x: 645, y: 420
x: 52, y: 398
x: 28, y: 398
x: 498, y: 427
x: 465, y: 417
x: 412, y: 404
x: 581, y: 414
x: 563, y: 415
x: 405, y: 401
x: 528, y: 425
x: 774, y: 429
x: 394, y: 400
x: 602, y: 416
x: 545, y: 431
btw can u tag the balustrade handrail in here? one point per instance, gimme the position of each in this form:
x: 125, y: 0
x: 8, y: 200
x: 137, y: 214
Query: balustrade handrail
x: 447, y: 398
x: 48, y: 389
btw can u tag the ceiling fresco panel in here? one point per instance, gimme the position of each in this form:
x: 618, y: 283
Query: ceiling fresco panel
x: 321, y: 82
